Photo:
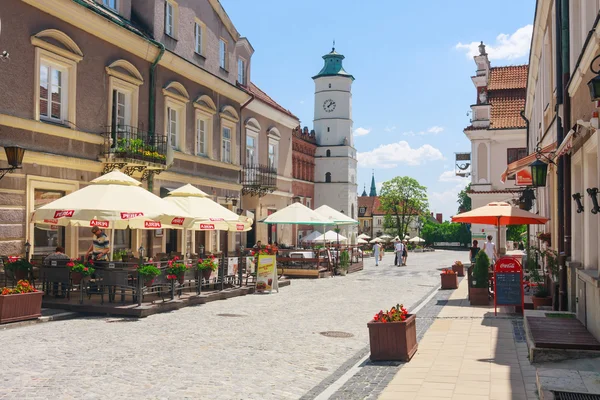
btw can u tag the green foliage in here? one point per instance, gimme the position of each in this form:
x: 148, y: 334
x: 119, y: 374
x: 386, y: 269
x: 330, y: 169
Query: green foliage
x: 464, y: 201
x: 480, y: 274
x: 344, y: 260
x: 148, y: 271
x: 19, y: 265
x: 534, y: 257
x: 445, y: 232
x: 402, y: 199
x: 515, y: 232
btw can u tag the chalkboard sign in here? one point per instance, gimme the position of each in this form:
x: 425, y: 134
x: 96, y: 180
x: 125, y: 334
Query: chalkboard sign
x: 508, y: 289
x: 508, y: 283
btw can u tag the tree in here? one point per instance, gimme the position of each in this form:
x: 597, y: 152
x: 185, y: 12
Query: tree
x: 402, y: 200
x: 464, y: 201
x: 515, y: 232
x: 446, y: 232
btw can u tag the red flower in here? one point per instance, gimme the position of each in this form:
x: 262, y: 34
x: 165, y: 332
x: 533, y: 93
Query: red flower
x: 85, y: 269
x: 70, y: 264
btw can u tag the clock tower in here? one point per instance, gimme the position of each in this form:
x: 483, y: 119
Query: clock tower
x: 335, y: 158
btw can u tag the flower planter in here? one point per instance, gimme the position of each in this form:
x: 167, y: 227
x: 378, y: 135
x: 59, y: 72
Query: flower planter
x: 342, y: 272
x: 449, y: 281
x: 149, y: 282
x: 20, y: 307
x: 206, y: 274
x: 393, y: 341
x: 479, y: 296
x: 21, y: 274
x: 76, y: 277
x: 541, y: 302
x: 181, y: 279
x: 459, y: 269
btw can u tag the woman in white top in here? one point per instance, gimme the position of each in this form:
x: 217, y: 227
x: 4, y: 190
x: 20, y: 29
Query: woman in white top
x: 490, y: 249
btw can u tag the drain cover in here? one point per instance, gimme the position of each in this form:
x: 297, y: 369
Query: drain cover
x: 230, y: 315
x: 575, y: 396
x: 336, y: 334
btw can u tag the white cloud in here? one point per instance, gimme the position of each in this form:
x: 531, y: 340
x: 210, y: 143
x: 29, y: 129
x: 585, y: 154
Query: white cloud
x: 409, y: 133
x: 435, y: 130
x: 393, y: 154
x: 506, y: 47
x: 301, y: 101
x: 445, y: 202
x: 450, y: 176
x: 390, y: 128
x: 361, y: 131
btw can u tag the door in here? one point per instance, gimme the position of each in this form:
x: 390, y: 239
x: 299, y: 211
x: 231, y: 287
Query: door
x: 171, y: 240
x: 251, y: 234
x: 224, y: 242
x: 272, y: 229
x: 581, y: 302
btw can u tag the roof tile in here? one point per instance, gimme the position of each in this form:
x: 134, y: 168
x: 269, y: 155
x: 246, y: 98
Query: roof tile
x: 506, y: 108
x: 265, y: 98
x: 514, y: 77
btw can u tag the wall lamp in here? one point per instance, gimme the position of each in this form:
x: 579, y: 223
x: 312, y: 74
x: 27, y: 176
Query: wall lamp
x: 593, y: 192
x: 577, y: 198
x: 234, y: 200
x: 539, y: 168
x: 14, y: 156
x: 594, y: 83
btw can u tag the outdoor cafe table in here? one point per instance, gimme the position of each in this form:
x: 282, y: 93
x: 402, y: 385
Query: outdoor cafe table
x: 304, y: 254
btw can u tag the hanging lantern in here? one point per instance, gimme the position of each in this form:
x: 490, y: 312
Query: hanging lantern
x: 539, y: 171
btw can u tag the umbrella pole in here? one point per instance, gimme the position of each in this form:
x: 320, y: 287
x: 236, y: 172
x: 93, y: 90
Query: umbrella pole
x: 112, y: 243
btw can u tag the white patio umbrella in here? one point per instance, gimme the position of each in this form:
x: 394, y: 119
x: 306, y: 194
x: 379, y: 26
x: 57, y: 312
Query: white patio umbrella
x: 331, y: 236
x: 311, y: 236
x: 361, y: 241
x: 376, y: 240
x: 364, y: 236
x: 416, y: 239
x: 335, y: 217
x: 396, y: 238
x: 296, y: 213
x: 113, y: 201
x: 385, y: 237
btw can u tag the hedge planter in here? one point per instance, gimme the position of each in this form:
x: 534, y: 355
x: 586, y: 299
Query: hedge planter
x: 20, y: 307
x: 449, y: 281
x: 393, y: 341
x: 479, y: 296
x: 541, y: 302
x: 459, y: 269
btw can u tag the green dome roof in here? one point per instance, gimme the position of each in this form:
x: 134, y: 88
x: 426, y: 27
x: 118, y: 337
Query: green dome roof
x: 333, y: 66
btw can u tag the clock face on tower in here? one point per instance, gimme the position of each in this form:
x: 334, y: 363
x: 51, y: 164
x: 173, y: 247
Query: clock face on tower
x: 329, y: 105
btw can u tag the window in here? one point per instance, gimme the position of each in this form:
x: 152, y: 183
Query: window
x: 308, y: 202
x: 201, y: 139
x: 47, y: 237
x: 328, y: 177
x: 198, y: 35
x: 226, y: 145
x: 169, y: 19
x: 222, y: 53
x: 273, y: 155
x: 53, y: 92
x: 515, y: 154
x: 172, y: 125
x: 328, y: 153
x: 110, y: 4
x: 328, y: 130
x: 241, y: 71
x: 251, y: 156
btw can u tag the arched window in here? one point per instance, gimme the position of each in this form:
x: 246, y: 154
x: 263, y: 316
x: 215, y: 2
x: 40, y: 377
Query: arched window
x: 328, y: 153
x: 328, y: 177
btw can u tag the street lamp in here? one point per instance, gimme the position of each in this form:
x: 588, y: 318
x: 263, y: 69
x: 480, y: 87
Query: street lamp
x: 539, y: 168
x: 594, y: 83
x: 141, y: 253
x: 27, y: 250
x: 14, y: 156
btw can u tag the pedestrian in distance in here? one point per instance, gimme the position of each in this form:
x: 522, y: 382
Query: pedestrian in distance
x: 399, y: 250
x: 490, y: 249
x: 404, y: 252
x: 376, y: 253
x: 473, y: 251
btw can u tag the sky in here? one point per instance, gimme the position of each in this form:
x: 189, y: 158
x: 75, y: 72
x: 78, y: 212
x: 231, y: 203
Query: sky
x: 412, y: 61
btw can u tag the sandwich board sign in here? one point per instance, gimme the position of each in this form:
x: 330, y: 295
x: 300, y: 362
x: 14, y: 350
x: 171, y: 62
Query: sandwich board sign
x: 508, y: 283
x: 266, y: 274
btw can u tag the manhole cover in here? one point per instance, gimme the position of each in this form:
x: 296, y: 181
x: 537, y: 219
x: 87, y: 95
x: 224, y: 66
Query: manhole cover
x: 231, y: 315
x: 575, y: 396
x: 336, y: 334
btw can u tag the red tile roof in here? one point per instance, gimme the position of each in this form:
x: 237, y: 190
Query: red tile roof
x: 367, y: 202
x: 502, y: 78
x: 506, y: 108
x: 265, y: 98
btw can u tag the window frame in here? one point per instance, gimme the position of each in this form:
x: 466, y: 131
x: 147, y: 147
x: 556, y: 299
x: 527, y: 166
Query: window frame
x: 223, y: 141
x: 516, y: 150
x: 275, y: 163
x: 115, y: 8
x: 254, y: 135
x: 174, y: 17
x: 203, y: 112
x: 223, y: 54
x: 243, y: 80
x: 179, y: 107
x: 200, y: 27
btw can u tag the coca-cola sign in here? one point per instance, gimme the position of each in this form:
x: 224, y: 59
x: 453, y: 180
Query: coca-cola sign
x: 207, y: 227
x: 507, y: 264
x: 152, y: 224
x: 129, y: 215
x: 100, y: 224
x: 64, y: 213
x: 177, y: 221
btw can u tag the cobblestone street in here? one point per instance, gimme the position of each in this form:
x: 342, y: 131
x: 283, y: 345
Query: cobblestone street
x: 252, y: 347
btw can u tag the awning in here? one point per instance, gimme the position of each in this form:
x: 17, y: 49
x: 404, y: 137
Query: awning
x: 566, y: 144
x: 524, y: 162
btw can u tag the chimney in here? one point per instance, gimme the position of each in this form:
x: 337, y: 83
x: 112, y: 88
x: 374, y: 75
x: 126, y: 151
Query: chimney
x: 439, y: 218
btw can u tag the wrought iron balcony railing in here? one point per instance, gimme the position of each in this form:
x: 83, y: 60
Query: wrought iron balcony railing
x: 258, y: 180
x: 130, y: 143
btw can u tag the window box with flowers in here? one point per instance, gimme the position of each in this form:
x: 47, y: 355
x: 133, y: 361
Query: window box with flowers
x: 449, y: 279
x: 21, y: 303
x: 393, y: 335
x: 207, y: 266
x: 147, y: 273
x: 176, y: 270
x: 79, y: 271
x: 20, y: 268
x: 459, y: 268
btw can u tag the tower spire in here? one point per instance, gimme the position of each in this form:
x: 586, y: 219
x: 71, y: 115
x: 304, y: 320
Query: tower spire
x: 364, y: 193
x: 373, y: 192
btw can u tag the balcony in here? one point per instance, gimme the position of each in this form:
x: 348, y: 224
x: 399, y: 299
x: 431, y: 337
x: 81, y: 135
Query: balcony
x: 258, y: 180
x: 129, y: 149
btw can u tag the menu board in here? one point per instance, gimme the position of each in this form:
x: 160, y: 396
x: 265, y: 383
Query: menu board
x: 508, y: 289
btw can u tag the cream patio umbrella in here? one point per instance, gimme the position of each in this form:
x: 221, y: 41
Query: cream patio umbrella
x: 376, y: 240
x: 113, y: 201
x: 364, y: 236
x: 295, y: 214
x: 416, y: 239
x: 361, y: 241
x: 331, y: 236
x: 311, y: 236
x: 336, y: 217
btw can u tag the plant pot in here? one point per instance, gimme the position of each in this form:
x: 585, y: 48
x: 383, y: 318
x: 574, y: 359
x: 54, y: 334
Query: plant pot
x: 148, y: 282
x: 21, y: 274
x: 181, y: 279
x: 449, y: 281
x: 541, y: 302
x: 20, y: 307
x: 393, y: 341
x: 206, y: 273
x: 76, y: 277
x: 342, y: 272
x: 459, y: 269
x: 479, y: 296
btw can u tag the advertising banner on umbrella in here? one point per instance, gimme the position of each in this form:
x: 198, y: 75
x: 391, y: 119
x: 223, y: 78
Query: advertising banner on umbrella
x: 266, y: 274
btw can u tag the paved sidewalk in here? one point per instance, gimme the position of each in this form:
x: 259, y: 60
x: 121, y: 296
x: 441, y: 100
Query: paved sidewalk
x: 468, y: 354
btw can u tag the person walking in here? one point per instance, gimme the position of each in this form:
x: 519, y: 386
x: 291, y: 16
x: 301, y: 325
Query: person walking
x: 490, y: 249
x: 399, y: 250
x: 376, y: 253
x: 473, y: 251
x: 404, y: 252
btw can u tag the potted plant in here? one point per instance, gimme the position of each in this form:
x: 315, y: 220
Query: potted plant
x: 459, y: 268
x: 344, y: 263
x: 147, y: 273
x: 207, y: 266
x: 479, y: 289
x: 79, y: 271
x: 449, y: 279
x: 20, y: 268
x: 176, y: 270
x: 21, y: 303
x: 393, y: 335
x: 541, y: 295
